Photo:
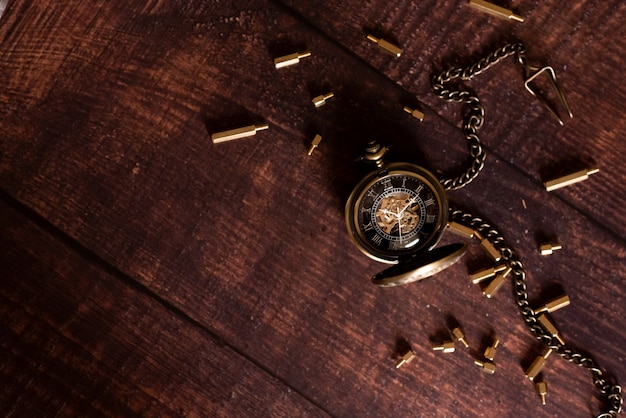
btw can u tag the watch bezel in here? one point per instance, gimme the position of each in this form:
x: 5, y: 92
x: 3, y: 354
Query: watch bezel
x: 392, y: 169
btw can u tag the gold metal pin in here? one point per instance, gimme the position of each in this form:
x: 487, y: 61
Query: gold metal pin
x: 554, y: 304
x: 316, y: 141
x: 485, y: 274
x: 542, y: 391
x: 488, y: 247
x: 549, y: 248
x: 386, y: 46
x: 497, y: 282
x: 490, y: 352
x: 290, y: 59
x: 537, y: 365
x: 494, y: 10
x: 487, y: 366
x: 459, y: 335
x: 569, y: 179
x: 531, y: 73
x: 320, y: 100
x: 549, y: 326
x: 405, y: 359
x: 415, y: 113
x: 446, y: 347
x: 461, y: 230
x: 237, y: 133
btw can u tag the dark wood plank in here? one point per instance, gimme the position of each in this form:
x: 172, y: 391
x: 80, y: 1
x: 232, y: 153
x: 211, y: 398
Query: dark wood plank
x: 107, y: 139
x: 79, y: 341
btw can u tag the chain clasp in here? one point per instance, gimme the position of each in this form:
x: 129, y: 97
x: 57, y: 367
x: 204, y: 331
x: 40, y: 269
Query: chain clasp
x: 531, y: 73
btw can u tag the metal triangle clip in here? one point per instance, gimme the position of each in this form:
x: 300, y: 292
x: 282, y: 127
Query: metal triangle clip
x: 531, y: 73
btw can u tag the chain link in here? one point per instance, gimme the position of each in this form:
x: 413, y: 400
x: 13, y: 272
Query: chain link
x: 476, y: 115
x: 613, y: 392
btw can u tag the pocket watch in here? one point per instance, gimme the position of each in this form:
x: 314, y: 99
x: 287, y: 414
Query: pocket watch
x: 397, y: 214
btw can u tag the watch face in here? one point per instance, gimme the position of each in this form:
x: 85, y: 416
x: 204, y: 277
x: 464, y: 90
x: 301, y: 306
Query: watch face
x: 397, y: 211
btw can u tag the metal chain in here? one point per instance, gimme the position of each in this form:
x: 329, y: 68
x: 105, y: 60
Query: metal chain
x: 612, y: 391
x: 476, y: 114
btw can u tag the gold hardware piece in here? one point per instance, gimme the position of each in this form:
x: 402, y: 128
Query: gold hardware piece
x: 537, y: 365
x: 386, y: 46
x: 415, y: 113
x: 490, y: 352
x: 494, y: 10
x: 458, y: 335
x: 290, y: 59
x: 495, y: 285
x: 237, y: 133
x: 461, y: 230
x: 316, y: 141
x: 533, y: 72
x: 446, y: 347
x: 487, y: 366
x: 320, y: 100
x: 488, y: 247
x: 542, y: 391
x: 405, y: 359
x: 547, y: 324
x: 569, y: 179
x: 554, y: 304
x: 547, y: 249
x: 485, y: 274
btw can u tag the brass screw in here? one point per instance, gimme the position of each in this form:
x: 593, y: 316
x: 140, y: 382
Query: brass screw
x: 446, y: 347
x: 415, y: 113
x: 542, y: 391
x: 237, y: 133
x: 554, y: 304
x: 494, y: 10
x: 490, y: 352
x: 487, y: 366
x: 537, y: 365
x: 495, y: 285
x: 569, y: 179
x: 320, y: 100
x: 549, y: 248
x: 386, y: 46
x: 290, y: 59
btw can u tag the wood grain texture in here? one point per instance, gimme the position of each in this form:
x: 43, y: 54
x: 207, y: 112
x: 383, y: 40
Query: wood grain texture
x: 105, y: 119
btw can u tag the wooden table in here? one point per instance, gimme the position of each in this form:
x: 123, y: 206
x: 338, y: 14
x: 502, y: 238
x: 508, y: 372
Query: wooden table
x: 147, y: 271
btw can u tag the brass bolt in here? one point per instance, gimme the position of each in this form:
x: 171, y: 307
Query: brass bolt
x: 494, y: 10
x: 386, y: 46
x: 537, y: 365
x: 569, y: 179
x: 290, y: 59
x: 415, y: 113
x: 461, y: 230
x: 316, y: 141
x: 487, y: 366
x: 547, y: 325
x: 485, y: 274
x: 488, y: 247
x: 405, y: 359
x: 320, y: 100
x: 446, y: 347
x: 490, y: 352
x: 549, y: 248
x: 458, y: 335
x: 495, y: 285
x: 237, y: 133
x: 542, y: 391
x: 554, y: 304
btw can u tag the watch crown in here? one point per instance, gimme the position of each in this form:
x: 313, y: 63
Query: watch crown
x: 374, y: 153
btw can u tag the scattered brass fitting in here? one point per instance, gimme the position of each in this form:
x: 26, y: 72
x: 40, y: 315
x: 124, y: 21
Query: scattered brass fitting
x: 495, y: 285
x: 542, y: 391
x: 547, y: 325
x: 405, y: 359
x: 554, y: 304
x: 458, y: 335
x: 415, y: 113
x: 537, y: 365
x: 291, y: 59
x: 549, y: 248
x: 485, y: 274
x: 494, y: 10
x: 316, y: 141
x: 461, y: 230
x: 446, y: 347
x: 490, y: 352
x: 237, y: 133
x: 386, y: 46
x: 320, y: 100
x: 488, y: 247
x: 487, y: 366
x: 570, y: 179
